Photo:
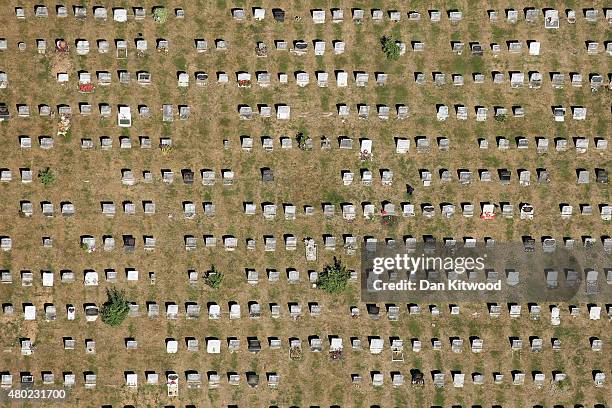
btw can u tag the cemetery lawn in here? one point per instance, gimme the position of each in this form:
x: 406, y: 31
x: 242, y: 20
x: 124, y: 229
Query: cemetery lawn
x: 87, y: 177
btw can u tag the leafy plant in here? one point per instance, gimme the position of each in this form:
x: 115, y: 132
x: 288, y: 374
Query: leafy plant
x: 365, y: 156
x: 300, y: 138
x: 334, y: 278
x: 115, y: 309
x: 68, y: 135
x: 160, y: 14
x: 388, y: 220
x: 390, y: 47
x: 46, y: 176
x: 214, y: 278
x: 166, y: 149
x: 304, y: 142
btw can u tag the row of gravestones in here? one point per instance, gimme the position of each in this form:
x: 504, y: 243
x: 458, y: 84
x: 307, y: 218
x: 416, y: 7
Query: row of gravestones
x: 530, y: 14
x: 283, y: 111
x: 194, y: 380
x: 517, y: 79
x: 100, y: 13
x: 88, y: 242
x: 228, y: 176
x: 85, y: 108
x: 214, y: 345
x: 402, y: 144
x: 295, y: 310
x: 108, y: 208
x: 121, y: 15
x: 300, y: 47
x: 571, y: 275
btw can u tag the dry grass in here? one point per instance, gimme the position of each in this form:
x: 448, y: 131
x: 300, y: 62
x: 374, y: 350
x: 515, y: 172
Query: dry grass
x: 301, y: 177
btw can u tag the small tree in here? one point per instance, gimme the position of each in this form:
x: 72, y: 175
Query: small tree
x: 334, y: 278
x: 390, y: 47
x: 160, y: 14
x: 46, y: 176
x: 213, y: 278
x: 300, y: 138
x: 115, y: 309
x: 500, y: 118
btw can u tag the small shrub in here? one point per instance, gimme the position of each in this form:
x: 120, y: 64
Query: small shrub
x: 214, y: 278
x: 365, y: 156
x: 334, y: 278
x: 166, y: 149
x: 46, y: 176
x: 388, y: 220
x: 390, y: 48
x: 160, y: 14
x: 301, y: 140
x: 115, y: 309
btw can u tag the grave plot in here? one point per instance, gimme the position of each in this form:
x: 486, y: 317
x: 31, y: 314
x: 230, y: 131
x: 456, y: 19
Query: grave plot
x: 209, y: 160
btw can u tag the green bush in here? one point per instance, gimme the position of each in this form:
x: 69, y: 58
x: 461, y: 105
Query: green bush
x: 300, y: 138
x: 115, y: 309
x: 334, y: 278
x: 500, y: 118
x: 388, y: 220
x: 46, y: 176
x: 160, y: 14
x: 390, y: 48
x: 214, y: 278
